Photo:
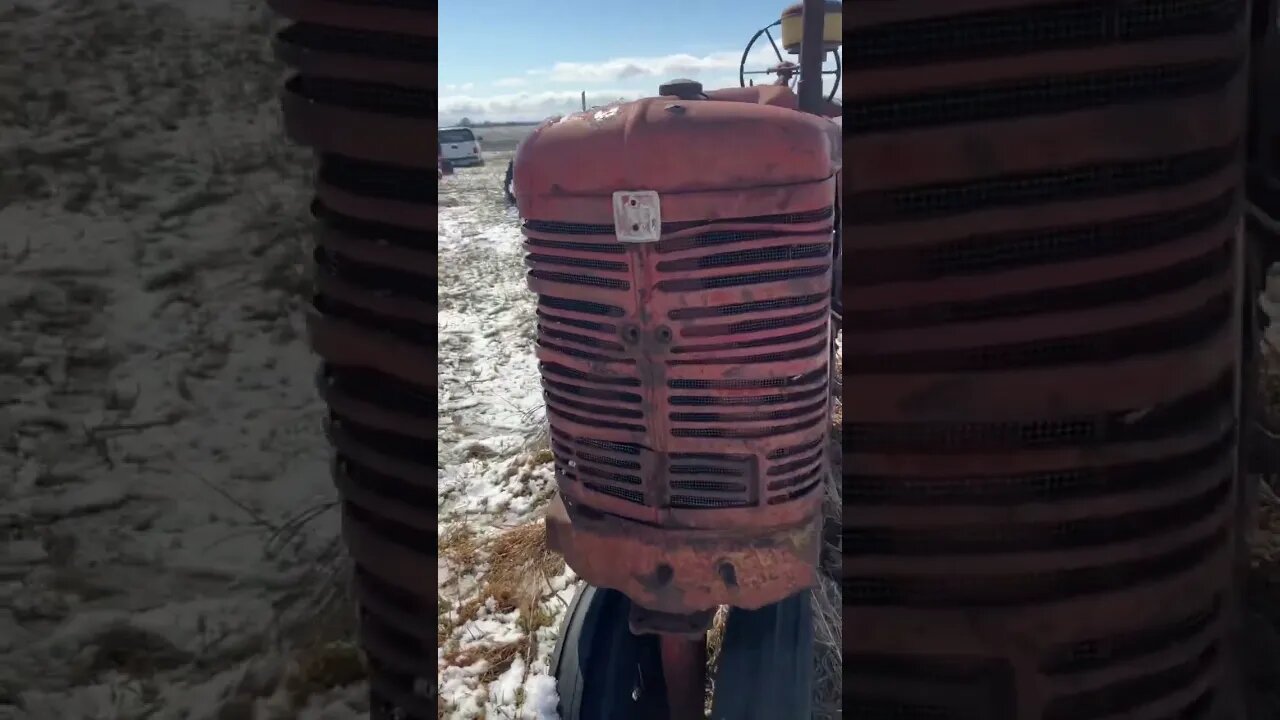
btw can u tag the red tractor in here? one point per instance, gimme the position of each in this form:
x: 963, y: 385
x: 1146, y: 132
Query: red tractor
x: 683, y: 266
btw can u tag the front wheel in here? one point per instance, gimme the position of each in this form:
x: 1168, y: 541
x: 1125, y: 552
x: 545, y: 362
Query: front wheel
x: 601, y: 669
x: 765, y: 671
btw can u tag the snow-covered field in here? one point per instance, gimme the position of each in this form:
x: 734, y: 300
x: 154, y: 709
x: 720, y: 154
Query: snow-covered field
x: 502, y: 595
x: 166, y: 524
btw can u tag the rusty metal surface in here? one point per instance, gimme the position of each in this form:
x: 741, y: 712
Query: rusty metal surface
x: 684, y: 669
x: 340, y: 122
x: 679, y: 571
x: 379, y: 58
x: 1042, y: 330
x: 363, y: 97
x: 685, y: 379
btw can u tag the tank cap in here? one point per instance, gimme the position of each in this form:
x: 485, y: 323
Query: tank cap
x: 683, y: 88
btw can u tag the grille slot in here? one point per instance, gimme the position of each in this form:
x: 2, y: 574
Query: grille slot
x: 383, y: 441
x: 1183, y: 331
x: 394, y: 531
x: 1129, y: 695
x: 574, y: 322
x: 593, y: 422
x: 1096, y: 653
x: 1040, y: 537
x: 1026, y: 589
x: 582, y: 306
x: 754, y: 256
x: 575, y: 279
x: 755, y: 278
x: 745, y: 384
x: 725, y: 237
x: 365, y: 96
x: 1052, y: 486
x: 747, y: 434
x: 375, y: 231
x: 706, y: 417
x: 380, y: 390
x: 627, y: 448
x: 387, y: 46
x: 607, y: 411
x: 799, y: 479
x: 798, y: 336
x: 580, y: 339
x: 709, y: 480
x: 633, y: 496
x: 751, y: 400
x: 420, y: 497
x: 1058, y: 185
x: 1129, y: 289
x: 753, y: 326
x: 602, y: 248
x: 592, y: 392
x: 375, y: 279
x: 1006, y: 251
x: 748, y: 307
x: 567, y: 372
x: 377, y: 180
x: 585, y: 470
x: 1189, y: 412
x: 578, y: 353
x: 814, y: 482
x: 793, y: 465
x: 415, y: 332
x: 787, y: 452
x: 1037, y: 29
x: 808, y: 351
x: 1039, y: 96
x: 535, y: 259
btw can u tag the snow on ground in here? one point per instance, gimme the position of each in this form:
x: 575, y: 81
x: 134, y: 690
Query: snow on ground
x: 160, y: 441
x: 502, y: 595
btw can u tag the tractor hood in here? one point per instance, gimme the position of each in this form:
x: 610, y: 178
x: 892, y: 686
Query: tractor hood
x: 749, y: 138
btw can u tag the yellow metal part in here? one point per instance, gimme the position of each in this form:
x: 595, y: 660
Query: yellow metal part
x: 792, y: 27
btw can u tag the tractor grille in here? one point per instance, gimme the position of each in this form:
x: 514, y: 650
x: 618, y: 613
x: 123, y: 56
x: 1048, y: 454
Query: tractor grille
x: 707, y: 391
x: 1264, y: 110
x: 1040, y: 433
x: 363, y: 97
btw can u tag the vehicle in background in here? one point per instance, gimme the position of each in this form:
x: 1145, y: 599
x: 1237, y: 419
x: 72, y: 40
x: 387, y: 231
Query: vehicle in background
x: 443, y: 166
x: 460, y: 146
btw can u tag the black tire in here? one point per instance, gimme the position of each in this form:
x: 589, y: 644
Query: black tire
x: 599, y: 664
x: 766, y: 663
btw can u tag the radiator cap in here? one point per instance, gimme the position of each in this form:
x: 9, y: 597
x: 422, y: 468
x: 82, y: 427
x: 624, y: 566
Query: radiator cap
x: 683, y: 88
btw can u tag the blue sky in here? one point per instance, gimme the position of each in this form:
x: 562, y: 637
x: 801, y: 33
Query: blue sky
x: 529, y: 59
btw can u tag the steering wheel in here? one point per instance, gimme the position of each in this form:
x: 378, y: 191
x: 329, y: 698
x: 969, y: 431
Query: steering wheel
x: 785, y: 69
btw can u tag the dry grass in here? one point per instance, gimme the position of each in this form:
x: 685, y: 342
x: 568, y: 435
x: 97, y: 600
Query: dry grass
x: 520, y: 565
x: 517, y: 570
x: 827, y: 607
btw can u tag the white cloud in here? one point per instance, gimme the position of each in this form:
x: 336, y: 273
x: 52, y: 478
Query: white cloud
x: 532, y: 106
x: 626, y: 78
x: 663, y: 67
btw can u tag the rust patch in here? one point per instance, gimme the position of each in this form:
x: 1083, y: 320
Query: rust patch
x: 683, y: 571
